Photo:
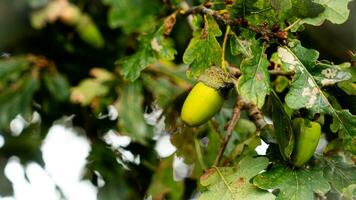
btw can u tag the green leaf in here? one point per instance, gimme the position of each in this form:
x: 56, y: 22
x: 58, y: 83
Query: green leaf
x: 57, y: 85
x: 163, y: 90
x: 281, y: 5
x: 349, y: 86
x: 254, y: 84
x: 89, y: 32
x: 338, y: 172
x: 87, y: 90
x: 346, y: 122
x: 240, y: 46
x: 163, y: 185
x: 336, y: 12
x: 328, y: 74
x: 132, y: 123
x: 132, y: 15
x: 293, y: 184
x: 227, y: 183
x: 283, y: 127
x: 152, y: 47
x: 204, y: 50
x: 17, y: 100
x: 163, y: 45
x: 132, y: 66
x: 305, y: 92
x: 306, y: 8
x: 11, y: 67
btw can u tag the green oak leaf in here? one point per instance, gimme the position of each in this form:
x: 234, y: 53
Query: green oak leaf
x: 152, y: 47
x: 204, y: 50
x: 131, y: 67
x: 163, y: 45
x: 12, y: 68
x: 347, y: 123
x: 281, y: 5
x: 306, y: 8
x: 306, y: 93
x: 132, y: 123
x: 349, y: 86
x: 328, y: 74
x: 89, y: 88
x: 162, y: 88
x: 254, y: 84
x: 282, y: 127
x: 293, y: 184
x: 228, y: 183
x: 338, y: 172
x: 57, y: 85
x: 240, y: 46
x: 17, y: 99
x: 336, y: 12
x: 131, y: 17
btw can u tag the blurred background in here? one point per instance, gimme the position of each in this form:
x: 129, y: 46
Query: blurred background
x: 46, y: 154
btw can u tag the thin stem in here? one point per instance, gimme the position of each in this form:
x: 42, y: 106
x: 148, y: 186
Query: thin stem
x: 199, y: 154
x: 223, y: 65
x: 256, y: 115
x: 282, y: 73
x: 239, y: 104
x: 291, y: 26
x: 260, y: 11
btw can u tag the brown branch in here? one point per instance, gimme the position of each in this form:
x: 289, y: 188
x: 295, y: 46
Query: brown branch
x: 263, y: 30
x: 239, y: 104
x: 236, y: 72
x: 256, y: 115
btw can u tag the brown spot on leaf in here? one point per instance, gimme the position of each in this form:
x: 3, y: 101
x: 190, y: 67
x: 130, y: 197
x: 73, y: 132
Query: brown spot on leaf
x: 208, y: 173
x: 241, y: 180
x: 258, y: 77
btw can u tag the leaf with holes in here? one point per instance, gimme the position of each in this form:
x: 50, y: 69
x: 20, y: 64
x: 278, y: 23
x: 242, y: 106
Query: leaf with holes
x: 326, y: 74
x: 306, y: 93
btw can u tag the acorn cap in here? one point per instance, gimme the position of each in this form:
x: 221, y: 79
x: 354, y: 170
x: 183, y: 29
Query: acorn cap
x: 218, y: 79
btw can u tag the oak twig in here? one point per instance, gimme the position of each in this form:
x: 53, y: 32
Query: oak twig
x: 264, y: 30
x: 256, y: 115
x: 239, y: 104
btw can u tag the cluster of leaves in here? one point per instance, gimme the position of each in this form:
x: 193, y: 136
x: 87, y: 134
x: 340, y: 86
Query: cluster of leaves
x: 151, y: 52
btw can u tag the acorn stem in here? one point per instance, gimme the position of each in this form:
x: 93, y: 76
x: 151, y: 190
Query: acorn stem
x: 227, y: 32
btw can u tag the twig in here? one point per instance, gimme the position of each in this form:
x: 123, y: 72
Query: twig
x: 282, y: 73
x: 239, y: 104
x: 263, y: 30
x: 256, y: 115
x: 291, y: 26
x: 223, y: 64
x: 237, y: 72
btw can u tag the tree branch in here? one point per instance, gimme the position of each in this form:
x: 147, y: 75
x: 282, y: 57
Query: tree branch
x: 256, y: 115
x: 239, y: 104
x: 263, y: 30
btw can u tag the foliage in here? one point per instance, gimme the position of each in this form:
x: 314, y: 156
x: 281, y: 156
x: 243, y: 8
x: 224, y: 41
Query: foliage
x: 140, y: 58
